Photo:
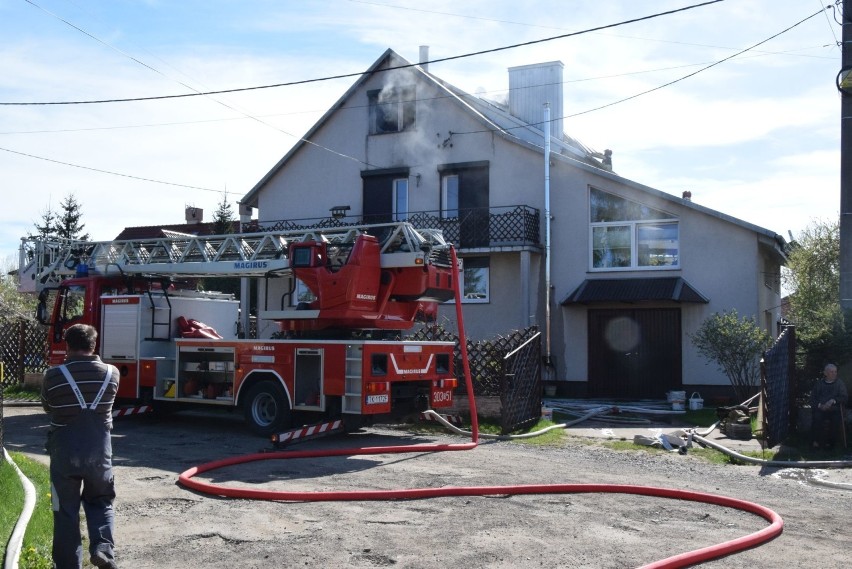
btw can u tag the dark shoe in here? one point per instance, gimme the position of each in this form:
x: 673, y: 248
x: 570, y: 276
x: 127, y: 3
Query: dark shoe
x: 100, y: 559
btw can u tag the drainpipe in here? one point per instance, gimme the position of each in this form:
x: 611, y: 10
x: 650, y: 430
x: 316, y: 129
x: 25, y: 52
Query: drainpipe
x: 547, y: 285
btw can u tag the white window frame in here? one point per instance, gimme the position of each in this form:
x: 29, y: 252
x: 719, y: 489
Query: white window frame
x: 634, y: 227
x: 446, y: 211
x: 486, y: 295
x: 400, y: 199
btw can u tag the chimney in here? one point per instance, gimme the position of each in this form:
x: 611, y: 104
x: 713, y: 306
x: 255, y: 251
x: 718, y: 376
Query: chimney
x: 530, y: 87
x: 194, y: 214
x: 424, y: 57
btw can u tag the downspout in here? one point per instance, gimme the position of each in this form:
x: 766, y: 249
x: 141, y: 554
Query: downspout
x: 547, y: 286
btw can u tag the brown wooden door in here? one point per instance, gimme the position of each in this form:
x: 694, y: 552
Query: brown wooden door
x: 634, y: 353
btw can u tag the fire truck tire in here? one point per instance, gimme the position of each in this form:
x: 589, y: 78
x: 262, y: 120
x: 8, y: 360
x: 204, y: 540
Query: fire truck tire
x: 266, y: 410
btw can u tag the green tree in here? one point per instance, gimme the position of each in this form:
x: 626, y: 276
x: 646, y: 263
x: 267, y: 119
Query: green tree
x: 13, y: 304
x: 69, y: 225
x: 735, y: 344
x: 223, y: 217
x: 813, y: 274
x: 46, y: 226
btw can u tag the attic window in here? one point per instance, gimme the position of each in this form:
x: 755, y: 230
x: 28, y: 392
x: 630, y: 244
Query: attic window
x: 392, y: 109
x: 629, y: 235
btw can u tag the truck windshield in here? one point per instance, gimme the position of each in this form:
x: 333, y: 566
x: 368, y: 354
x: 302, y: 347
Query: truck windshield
x: 73, y: 302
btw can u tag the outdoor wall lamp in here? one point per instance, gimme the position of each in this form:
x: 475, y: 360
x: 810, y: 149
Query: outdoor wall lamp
x: 339, y: 211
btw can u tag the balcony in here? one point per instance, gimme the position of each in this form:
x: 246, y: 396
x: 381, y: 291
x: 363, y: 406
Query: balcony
x: 474, y: 228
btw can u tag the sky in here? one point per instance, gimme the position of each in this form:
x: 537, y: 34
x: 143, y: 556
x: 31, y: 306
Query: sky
x: 755, y: 136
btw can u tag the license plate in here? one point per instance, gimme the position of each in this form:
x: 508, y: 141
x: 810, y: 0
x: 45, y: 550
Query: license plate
x: 376, y: 399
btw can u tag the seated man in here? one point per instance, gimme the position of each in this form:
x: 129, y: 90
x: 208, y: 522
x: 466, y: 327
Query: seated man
x: 827, y: 396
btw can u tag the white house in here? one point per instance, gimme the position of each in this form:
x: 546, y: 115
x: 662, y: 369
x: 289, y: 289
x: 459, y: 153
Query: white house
x: 632, y: 271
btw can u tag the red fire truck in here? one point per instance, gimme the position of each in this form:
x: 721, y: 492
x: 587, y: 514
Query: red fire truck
x: 176, y: 347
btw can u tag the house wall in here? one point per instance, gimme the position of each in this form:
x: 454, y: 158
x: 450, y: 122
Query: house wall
x: 721, y: 259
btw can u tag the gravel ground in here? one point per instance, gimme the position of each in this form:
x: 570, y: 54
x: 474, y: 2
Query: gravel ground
x: 160, y: 523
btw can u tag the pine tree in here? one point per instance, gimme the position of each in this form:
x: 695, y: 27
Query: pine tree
x: 46, y: 229
x: 68, y: 224
x: 223, y: 217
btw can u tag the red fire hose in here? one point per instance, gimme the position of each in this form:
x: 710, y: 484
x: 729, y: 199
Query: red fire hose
x: 681, y: 560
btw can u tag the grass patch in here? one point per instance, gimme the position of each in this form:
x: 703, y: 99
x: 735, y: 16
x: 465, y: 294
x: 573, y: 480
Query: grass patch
x: 17, y: 392
x: 38, y: 539
x: 12, y: 502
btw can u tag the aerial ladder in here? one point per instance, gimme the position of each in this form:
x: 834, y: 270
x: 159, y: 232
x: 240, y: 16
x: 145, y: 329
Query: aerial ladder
x: 358, y: 280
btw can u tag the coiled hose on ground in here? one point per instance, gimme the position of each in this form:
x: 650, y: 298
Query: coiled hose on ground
x: 686, y: 559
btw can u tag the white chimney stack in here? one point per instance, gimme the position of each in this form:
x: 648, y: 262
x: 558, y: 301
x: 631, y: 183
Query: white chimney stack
x: 530, y: 87
x: 194, y: 214
x: 424, y: 57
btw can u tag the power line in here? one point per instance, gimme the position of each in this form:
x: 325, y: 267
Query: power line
x: 358, y: 74
x: 418, y: 99
x: 109, y: 172
x: 196, y: 91
x: 664, y: 85
x: 542, y: 26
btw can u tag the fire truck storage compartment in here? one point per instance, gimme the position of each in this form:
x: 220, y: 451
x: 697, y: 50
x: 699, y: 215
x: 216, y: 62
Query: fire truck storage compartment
x: 308, y: 376
x: 204, y: 372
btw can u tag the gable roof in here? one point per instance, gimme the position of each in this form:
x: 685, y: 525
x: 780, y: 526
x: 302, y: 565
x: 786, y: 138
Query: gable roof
x: 567, y: 150
x: 157, y: 231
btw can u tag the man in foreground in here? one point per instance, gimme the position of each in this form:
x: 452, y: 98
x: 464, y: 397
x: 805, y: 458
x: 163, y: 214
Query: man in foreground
x: 79, y: 395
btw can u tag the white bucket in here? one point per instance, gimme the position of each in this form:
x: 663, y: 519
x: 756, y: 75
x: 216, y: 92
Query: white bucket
x: 696, y: 402
x: 677, y: 405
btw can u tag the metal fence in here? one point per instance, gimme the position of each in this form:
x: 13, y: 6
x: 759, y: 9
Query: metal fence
x: 23, y: 349
x: 506, y: 367
x: 520, y: 397
x: 778, y: 387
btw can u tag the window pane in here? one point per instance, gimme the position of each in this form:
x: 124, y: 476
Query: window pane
x: 605, y: 207
x: 387, y: 117
x: 302, y: 293
x: 658, y: 244
x: 475, y: 279
x: 391, y: 109
x: 611, y: 246
x: 400, y: 190
x: 451, y: 195
x: 74, y: 303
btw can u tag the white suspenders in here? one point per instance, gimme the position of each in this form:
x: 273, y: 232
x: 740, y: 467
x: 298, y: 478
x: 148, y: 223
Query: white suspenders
x: 76, y: 389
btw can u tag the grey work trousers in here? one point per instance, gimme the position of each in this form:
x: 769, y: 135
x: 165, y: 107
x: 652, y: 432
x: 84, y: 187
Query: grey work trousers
x: 81, y: 457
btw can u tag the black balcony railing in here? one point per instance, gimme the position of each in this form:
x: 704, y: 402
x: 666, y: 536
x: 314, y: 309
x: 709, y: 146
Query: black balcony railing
x: 505, y: 226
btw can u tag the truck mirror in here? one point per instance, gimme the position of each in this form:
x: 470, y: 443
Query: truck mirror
x: 41, y: 309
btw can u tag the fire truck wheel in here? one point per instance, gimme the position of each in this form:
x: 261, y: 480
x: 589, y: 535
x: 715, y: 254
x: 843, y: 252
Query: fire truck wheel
x: 266, y: 409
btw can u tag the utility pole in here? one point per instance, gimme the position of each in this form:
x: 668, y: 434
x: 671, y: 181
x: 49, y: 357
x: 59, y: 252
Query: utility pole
x: 844, y: 85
